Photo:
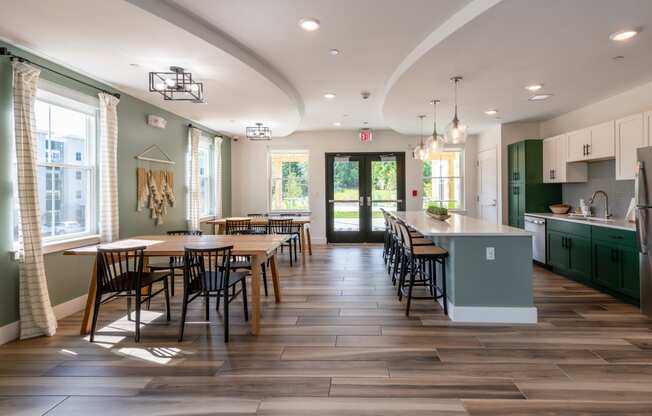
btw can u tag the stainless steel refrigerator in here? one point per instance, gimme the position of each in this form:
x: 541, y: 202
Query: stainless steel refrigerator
x: 644, y: 225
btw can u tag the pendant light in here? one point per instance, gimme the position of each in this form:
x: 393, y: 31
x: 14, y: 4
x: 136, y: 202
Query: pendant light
x: 455, y: 131
x: 435, y: 143
x: 420, y: 150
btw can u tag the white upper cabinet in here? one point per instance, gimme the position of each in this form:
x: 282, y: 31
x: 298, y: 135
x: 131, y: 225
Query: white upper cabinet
x: 603, y: 142
x: 592, y: 143
x: 578, y: 143
x: 555, y: 166
x: 549, y: 159
x: 630, y: 135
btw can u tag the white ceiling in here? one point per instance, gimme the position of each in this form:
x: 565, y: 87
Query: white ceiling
x: 561, y: 43
x: 258, y: 65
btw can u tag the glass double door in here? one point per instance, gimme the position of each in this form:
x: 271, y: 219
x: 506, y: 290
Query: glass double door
x: 358, y: 185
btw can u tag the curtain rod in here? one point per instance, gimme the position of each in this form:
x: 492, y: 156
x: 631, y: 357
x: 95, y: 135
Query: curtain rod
x: 12, y: 56
x: 206, y: 131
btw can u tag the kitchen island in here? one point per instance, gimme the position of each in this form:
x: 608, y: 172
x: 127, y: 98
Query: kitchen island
x: 489, y: 269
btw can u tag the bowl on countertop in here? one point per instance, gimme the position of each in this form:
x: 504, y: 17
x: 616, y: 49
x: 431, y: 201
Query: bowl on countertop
x: 559, y: 208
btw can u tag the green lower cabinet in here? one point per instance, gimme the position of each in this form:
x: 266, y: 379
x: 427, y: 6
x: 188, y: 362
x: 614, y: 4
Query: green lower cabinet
x: 606, y: 271
x: 580, y: 256
x: 600, y: 257
x: 557, y: 252
x: 630, y: 282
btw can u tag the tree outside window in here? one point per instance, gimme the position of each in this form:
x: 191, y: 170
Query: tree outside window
x: 289, y: 181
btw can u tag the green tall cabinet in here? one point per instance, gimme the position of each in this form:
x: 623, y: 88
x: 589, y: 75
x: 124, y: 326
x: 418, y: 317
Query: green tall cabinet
x: 526, y: 190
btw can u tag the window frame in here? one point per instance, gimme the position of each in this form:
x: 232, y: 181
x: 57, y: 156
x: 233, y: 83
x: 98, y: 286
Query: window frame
x: 207, y: 143
x: 270, y: 178
x: 462, y: 179
x: 59, y: 96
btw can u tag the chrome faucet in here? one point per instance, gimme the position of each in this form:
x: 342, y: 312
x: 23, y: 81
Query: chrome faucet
x: 606, y: 202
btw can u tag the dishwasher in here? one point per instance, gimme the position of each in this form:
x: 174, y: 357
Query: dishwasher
x: 537, y: 226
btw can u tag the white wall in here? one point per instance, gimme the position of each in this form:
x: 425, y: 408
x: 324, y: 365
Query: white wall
x: 249, y: 177
x: 632, y: 101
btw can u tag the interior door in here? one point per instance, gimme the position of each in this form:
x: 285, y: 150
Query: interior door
x: 358, y: 185
x: 487, y: 186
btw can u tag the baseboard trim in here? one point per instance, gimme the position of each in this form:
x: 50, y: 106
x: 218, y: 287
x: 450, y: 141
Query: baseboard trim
x: 11, y: 331
x: 492, y: 314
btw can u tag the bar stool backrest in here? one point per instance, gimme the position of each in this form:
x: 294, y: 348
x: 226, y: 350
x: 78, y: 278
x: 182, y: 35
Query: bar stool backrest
x: 406, y: 238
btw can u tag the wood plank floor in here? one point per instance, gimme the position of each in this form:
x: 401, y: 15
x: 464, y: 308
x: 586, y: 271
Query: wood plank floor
x: 340, y: 344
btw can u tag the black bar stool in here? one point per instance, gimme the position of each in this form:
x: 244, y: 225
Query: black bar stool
x: 420, y: 262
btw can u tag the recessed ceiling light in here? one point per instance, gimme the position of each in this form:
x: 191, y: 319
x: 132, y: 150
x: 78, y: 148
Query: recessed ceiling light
x: 491, y: 112
x: 534, y: 87
x: 309, y: 24
x: 134, y: 65
x: 618, y: 58
x: 540, y: 97
x: 330, y: 95
x: 623, y: 35
x: 334, y: 52
x: 337, y: 124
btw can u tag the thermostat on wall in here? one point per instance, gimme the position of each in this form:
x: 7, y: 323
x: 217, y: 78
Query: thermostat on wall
x: 156, y: 121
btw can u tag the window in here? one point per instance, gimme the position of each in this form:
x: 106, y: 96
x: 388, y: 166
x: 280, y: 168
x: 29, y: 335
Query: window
x: 66, y: 132
x: 206, y: 177
x: 443, y: 180
x: 289, y: 180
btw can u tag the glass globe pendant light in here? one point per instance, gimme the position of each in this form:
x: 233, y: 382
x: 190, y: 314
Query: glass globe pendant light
x: 455, y: 131
x: 420, y: 151
x: 435, y: 143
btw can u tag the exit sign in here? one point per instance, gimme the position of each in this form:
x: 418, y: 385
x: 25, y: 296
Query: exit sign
x: 365, y: 135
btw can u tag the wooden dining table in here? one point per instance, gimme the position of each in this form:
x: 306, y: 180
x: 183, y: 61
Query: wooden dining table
x: 219, y: 226
x: 259, y: 247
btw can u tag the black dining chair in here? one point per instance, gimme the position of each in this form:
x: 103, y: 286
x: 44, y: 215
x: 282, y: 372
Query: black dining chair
x: 286, y: 226
x: 243, y: 227
x: 174, y: 263
x: 120, y: 273
x: 208, y: 273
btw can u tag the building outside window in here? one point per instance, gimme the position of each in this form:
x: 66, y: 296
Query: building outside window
x: 66, y: 132
x: 289, y: 181
x: 443, y: 180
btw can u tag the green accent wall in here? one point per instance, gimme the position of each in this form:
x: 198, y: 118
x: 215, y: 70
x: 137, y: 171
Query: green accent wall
x: 68, y: 276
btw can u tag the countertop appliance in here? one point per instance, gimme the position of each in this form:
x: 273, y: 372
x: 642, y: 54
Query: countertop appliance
x: 537, y: 226
x: 643, y: 225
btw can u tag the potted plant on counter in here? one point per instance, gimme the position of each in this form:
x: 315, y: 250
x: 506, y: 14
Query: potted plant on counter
x: 437, y: 212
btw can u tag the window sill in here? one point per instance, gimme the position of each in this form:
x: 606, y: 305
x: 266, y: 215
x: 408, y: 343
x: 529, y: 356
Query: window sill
x: 62, y: 245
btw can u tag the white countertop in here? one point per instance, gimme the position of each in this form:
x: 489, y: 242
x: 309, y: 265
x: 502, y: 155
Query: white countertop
x: 619, y: 223
x: 457, y: 226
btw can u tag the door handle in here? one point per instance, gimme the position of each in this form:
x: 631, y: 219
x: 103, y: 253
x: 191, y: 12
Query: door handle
x: 368, y: 201
x: 588, y: 149
x: 362, y: 201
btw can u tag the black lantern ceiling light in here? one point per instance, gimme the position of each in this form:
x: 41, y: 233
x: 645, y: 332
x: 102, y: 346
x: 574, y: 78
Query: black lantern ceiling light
x: 259, y: 132
x: 176, y: 85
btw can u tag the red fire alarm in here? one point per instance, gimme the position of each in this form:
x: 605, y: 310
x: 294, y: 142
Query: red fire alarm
x: 414, y: 192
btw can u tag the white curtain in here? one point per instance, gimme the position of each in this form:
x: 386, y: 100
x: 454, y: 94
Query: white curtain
x: 218, y: 176
x: 109, y: 222
x: 36, y: 314
x: 194, y: 136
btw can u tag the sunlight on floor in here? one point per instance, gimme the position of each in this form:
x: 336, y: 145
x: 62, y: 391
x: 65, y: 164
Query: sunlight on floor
x: 157, y: 355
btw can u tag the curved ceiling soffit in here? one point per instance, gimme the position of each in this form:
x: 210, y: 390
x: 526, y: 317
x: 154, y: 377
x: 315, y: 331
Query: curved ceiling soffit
x: 207, y: 32
x: 463, y: 16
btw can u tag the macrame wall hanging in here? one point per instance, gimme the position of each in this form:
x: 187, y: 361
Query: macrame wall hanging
x: 155, y: 188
